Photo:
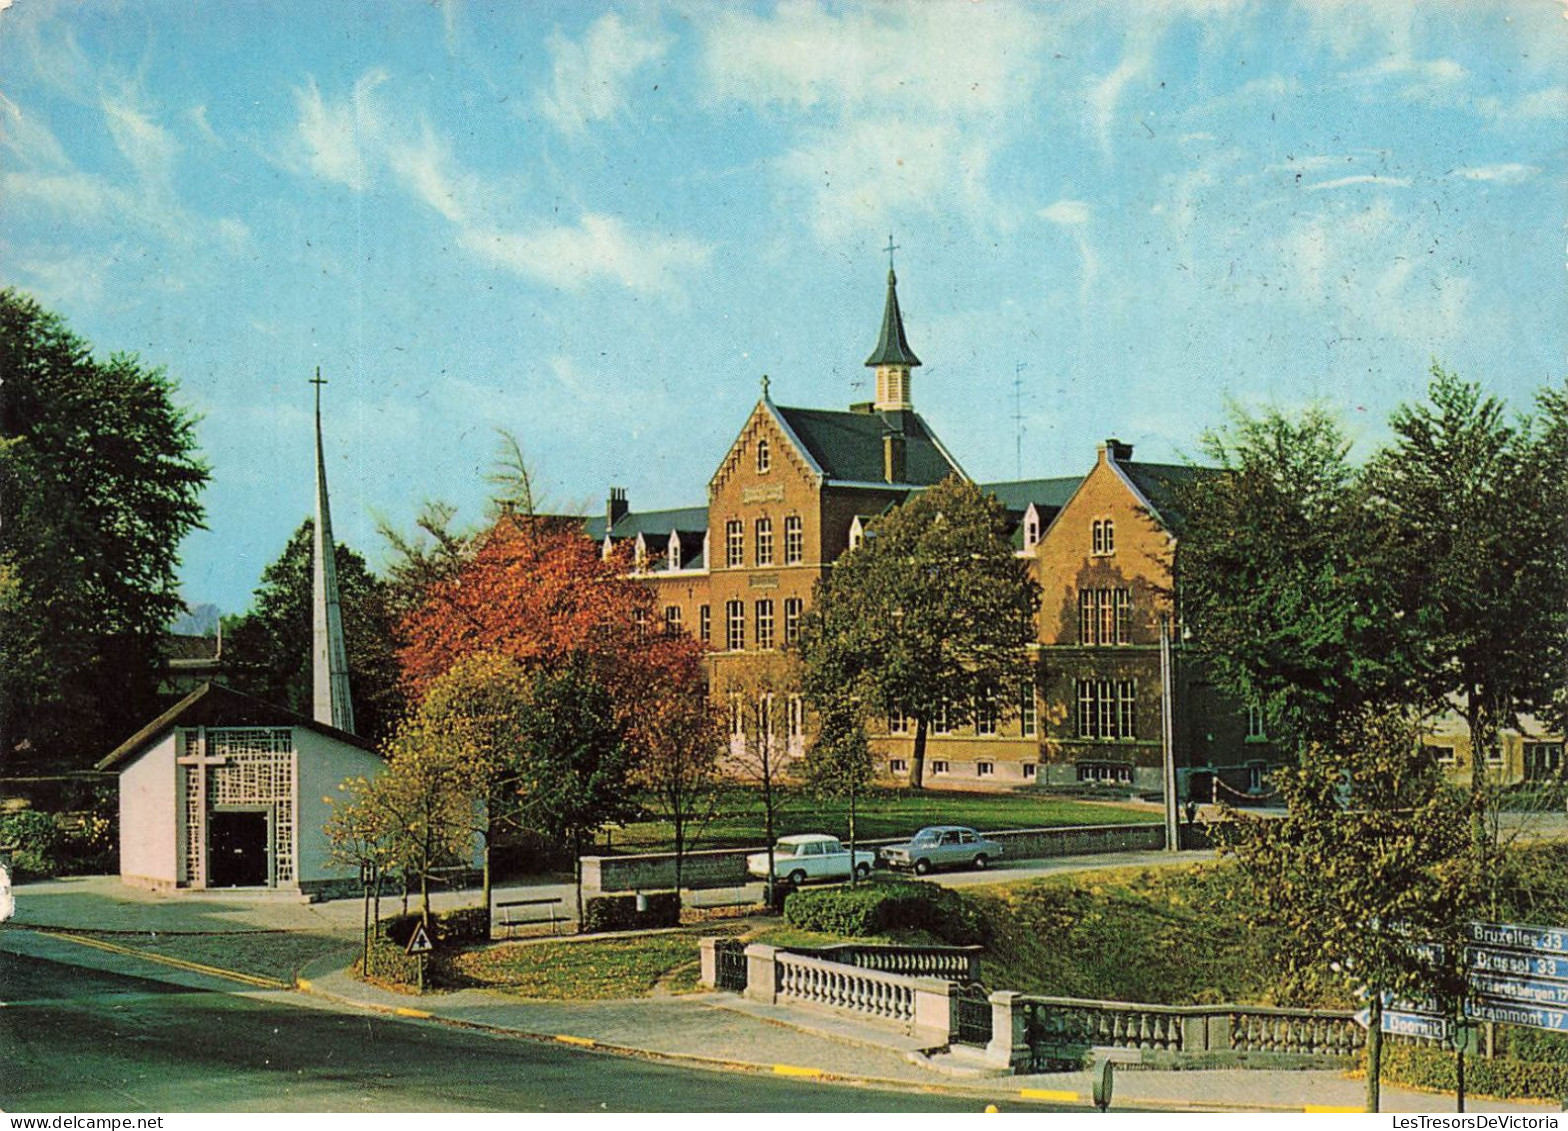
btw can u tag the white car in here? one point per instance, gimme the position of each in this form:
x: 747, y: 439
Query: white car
x: 7, y: 904
x: 810, y: 856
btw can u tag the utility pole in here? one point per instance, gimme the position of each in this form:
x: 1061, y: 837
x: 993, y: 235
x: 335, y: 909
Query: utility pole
x: 1018, y: 415
x: 1168, y: 735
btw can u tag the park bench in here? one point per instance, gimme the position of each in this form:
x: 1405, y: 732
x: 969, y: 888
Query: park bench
x: 509, y: 918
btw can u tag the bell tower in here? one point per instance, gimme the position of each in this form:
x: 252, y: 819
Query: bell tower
x: 892, y: 359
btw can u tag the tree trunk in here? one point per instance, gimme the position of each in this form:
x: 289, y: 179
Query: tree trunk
x: 678, y: 826
x: 424, y: 896
x: 1374, y: 1049
x: 485, y: 882
x: 767, y: 827
x: 917, y: 763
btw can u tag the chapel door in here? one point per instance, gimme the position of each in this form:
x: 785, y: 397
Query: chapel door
x: 238, y: 852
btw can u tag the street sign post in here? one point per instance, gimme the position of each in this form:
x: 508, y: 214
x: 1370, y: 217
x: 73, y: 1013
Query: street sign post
x: 1538, y: 940
x: 1510, y: 1013
x: 420, y: 946
x: 1409, y: 1024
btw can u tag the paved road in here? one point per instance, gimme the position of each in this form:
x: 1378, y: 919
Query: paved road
x: 81, y: 1040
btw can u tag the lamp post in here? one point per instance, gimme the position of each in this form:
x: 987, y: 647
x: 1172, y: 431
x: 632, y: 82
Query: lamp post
x: 1167, y: 736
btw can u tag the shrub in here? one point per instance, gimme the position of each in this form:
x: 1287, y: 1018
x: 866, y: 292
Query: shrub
x: 1414, y: 1066
x: 464, y: 924
x: 35, y: 842
x: 388, y: 963
x: 871, y: 909
x: 619, y: 912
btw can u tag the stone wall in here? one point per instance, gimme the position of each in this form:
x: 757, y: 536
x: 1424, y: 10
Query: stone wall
x: 724, y: 868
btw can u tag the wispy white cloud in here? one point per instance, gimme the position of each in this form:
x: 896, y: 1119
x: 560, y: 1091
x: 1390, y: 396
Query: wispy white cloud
x: 332, y: 137
x: 880, y: 121
x: 593, y: 77
x: 425, y: 167
x: 198, y: 118
x: 1105, y: 93
x: 598, y: 248
x: 149, y: 147
x: 1066, y: 212
x: 1360, y: 179
x: 1504, y: 174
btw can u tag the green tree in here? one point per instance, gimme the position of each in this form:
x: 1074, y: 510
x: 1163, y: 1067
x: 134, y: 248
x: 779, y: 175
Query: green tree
x: 479, y: 709
x: 1374, y: 853
x: 1477, y: 553
x: 932, y: 610
x: 1548, y: 461
x: 99, y: 483
x: 268, y: 650
x: 1282, y: 578
x: 574, y: 769
x: 838, y: 759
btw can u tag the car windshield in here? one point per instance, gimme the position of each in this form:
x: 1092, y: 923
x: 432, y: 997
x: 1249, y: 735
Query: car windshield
x: 927, y: 836
x: 785, y: 848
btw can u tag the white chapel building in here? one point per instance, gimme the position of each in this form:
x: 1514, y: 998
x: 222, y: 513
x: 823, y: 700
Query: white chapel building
x: 224, y: 790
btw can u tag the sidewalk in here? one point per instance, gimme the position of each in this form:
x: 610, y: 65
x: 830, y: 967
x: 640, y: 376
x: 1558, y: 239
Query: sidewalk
x: 724, y: 1030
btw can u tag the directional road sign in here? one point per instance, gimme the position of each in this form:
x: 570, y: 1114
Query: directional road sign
x: 1532, y: 1015
x: 1523, y: 991
x: 1516, y: 964
x: 1540, y: 940
x: 1409, y: 1024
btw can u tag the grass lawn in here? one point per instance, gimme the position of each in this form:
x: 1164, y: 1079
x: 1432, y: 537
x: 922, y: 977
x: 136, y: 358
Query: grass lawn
x: 271, y: 954
x: 587, y: 971
x: 882, y: 813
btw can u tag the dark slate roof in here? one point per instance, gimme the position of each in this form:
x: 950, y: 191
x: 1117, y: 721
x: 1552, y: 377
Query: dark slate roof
x: 213, y: 705
x: 650, y: 524
x: 1046, y: 494
x: 1161, y: 484
x: 892, y: 346
x: 848, y: 445
x: 183, y: 647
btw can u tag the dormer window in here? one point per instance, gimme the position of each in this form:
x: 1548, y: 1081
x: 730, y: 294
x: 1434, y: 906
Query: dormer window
x: 764, y: 457
x: 1031, y: 528
x: 675, y: 551
x: 640, y: 555
x: 1103, y: 536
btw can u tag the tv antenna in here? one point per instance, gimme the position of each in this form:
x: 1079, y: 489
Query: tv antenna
x: 1018, y: 414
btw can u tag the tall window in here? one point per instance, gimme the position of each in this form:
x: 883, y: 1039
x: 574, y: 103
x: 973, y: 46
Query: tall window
x: 797, y: 717
x: 1255, y: 728
x: 765, y: 624
x: 675, y: 551
x: 897, y: 721
x: 985, y: 715
x: 764, y: 541
x: 942, y: 720
x: 1103, y: 536
x: 1105, y: 616
x: 735, y: 624
x: 734, y: 542
x: 672, y: 620
x: 705, y: 624
x: 1107, y: 708
x: 1031, y: 532
x: 765, y: 718
x: 764, y: 456
x: 1028, y: 716
x: 794, y: 540
x: 640, y: 624
x: 793, y: 607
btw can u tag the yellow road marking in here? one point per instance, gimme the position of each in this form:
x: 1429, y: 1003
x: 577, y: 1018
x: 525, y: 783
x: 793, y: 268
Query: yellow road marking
x: 1048, y: 1094
x: 585, y: 1042
x: 177, y: 963
x: 793, y: 1070
x: 1324, y: 1109
x: 304, y: 984
x: 404, y: 1011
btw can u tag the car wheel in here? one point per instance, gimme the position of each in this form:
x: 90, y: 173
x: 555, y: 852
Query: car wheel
x: 981, y: 862
x: 862, y: 871
x: 922, y: 867
x: 797, y: 877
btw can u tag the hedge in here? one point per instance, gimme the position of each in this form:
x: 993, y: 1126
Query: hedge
x: 1415, y: 1066
x: 619, y: 912
x: 871, y: 909
x: 464, y: 924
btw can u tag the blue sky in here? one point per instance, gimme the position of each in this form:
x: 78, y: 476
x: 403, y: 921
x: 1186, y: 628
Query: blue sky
x: 598, y: 225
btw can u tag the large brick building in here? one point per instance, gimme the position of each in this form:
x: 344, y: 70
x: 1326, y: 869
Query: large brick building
x: 798, y: 487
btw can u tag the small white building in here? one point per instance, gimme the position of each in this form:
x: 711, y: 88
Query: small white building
x: 224, y: 790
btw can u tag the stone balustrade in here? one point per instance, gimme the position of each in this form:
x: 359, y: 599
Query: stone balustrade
x: 957, y: 963
x: 911, y: 1004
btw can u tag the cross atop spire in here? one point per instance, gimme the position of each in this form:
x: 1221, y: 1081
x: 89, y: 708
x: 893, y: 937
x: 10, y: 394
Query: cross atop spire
x: 892, y: 346
x: 765, y: 384
x: 890, y: 249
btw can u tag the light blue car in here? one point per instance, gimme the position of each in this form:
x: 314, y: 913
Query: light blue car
x: 942, y: 846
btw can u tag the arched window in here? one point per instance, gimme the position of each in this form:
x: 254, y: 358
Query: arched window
x: 1104, y: 536
x: 764, y: 457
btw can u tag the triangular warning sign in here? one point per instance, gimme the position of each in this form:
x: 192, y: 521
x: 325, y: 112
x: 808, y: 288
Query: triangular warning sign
x: 419, y: 942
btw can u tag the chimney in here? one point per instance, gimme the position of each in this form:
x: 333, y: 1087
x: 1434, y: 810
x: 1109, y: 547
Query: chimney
x: 1117, y: 451
x: 893, y: 457
x: 615, y: 508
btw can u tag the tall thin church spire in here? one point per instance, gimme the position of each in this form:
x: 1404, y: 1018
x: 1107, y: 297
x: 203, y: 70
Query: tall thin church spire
x: 892, y: 359
x: 329, y: 656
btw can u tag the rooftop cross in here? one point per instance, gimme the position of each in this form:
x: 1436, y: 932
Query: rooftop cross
x: 890, y: 249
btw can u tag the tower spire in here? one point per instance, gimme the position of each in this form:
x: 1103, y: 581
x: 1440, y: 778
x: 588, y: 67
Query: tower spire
x: 329, y: 657
x: 892, y: 358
